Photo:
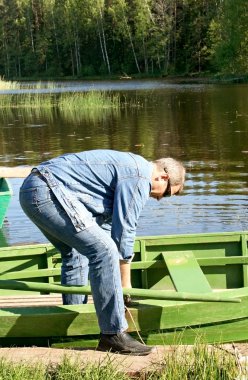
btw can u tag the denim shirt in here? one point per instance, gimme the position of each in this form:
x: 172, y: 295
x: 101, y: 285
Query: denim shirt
x: 103, y: 186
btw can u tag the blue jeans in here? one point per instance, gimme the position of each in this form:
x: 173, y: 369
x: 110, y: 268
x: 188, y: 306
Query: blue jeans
x: 92, y: 246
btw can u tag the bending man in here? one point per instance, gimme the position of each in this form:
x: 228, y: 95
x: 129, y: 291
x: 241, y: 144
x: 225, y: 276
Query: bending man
x: 87, y: 204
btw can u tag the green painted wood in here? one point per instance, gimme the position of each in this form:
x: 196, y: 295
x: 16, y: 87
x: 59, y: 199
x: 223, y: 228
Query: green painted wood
x: 143, y: 258
x: 5, y: 196
x: 233, y: 331
x: 187, y: 239
x: 185, y: 272
x: 178, y: 314
x: 222, y: 258
x: 245, y: 254
x: 31, y: 274
x: 48, y: 321
x: 3, y: 240
x: 74, y: 320
x: 143, y: 293
x: 216, y: 261
x: 149, y: 270
x: 26, y: 251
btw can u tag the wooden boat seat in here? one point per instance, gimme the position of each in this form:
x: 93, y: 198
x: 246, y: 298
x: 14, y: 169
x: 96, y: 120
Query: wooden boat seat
x: 30, y: 300
x: 185, y: 272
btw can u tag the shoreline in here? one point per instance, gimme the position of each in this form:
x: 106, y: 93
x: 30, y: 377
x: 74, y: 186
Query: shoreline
x: 177, y: 79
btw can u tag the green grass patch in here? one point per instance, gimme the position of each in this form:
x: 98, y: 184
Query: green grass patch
x: 95, y: 100
x: 201, y: 362
x: 88, y: 100
x: 64, y: 101
x: 67, y: 370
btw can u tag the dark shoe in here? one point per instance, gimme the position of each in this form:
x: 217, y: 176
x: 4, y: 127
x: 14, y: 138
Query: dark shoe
x: 122, y: 343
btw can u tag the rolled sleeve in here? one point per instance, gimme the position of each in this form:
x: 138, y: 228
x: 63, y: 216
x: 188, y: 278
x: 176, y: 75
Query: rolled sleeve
x: 131, y: 195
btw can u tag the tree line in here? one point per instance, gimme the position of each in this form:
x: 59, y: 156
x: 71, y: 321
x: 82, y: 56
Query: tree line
x: 78, y: 38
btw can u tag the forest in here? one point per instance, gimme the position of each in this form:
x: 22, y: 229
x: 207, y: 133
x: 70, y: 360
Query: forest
x: 87, y: 38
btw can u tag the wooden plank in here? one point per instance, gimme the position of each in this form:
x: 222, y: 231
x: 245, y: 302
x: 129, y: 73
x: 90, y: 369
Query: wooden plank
x: 245, y: 255
x: 154, y: 264
x: 232, y: 331
x: 32, y: 300
x: 208, y: 261
x: 185, y: 272
x: 144, y: 279
x: 37, y: 273
x: 223, y: 237
x: 22, y: 251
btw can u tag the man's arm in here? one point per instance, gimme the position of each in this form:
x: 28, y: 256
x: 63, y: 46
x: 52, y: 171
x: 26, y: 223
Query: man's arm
x: 130, y: 197
x: 125, y: 269
x: 16, y: 172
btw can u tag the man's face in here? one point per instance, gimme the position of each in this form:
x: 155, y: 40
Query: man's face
x: 161, y: 188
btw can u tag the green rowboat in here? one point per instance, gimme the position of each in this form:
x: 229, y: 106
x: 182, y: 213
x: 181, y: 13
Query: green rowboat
x: 185, y: 287
x: 5, y: 195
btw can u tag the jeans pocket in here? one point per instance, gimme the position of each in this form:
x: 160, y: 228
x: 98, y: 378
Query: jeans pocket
x: 34, y: 199
x: 43, y: 197
x: 27, y: 199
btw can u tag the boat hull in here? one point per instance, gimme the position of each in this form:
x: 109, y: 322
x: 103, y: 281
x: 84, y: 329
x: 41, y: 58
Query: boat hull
x: 5, y: 196
x: 182, y: 263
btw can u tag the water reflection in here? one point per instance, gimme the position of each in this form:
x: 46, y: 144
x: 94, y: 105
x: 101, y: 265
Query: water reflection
x: 115, y: 85
x: 204, y: 126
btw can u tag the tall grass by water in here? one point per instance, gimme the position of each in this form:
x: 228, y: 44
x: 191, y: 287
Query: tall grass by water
x: 14, y: 85
x: 9, y: 85
x: 65, y: 101
x: 202, y: 362
x: 91, y: 99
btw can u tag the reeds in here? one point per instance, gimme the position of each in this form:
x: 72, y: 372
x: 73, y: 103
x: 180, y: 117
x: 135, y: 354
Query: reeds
x: 95, y: 100
x: 9, y: 85
x: 13, y: 85
x: 88, y: 100
x: 31, y: 96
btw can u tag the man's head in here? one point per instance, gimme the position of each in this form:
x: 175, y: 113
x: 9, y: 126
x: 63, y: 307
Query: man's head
x: 168, y: 177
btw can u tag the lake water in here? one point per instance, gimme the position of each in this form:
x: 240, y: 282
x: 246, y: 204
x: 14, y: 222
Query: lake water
x: 204, y: 126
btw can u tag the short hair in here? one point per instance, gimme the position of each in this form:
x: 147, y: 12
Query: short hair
x: 175, y: 170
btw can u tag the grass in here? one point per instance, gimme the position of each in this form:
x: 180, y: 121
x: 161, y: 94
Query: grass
x: 66, y: 370
x: 13, y: 85
x: 64, y: 101
x: 97, y: 100
x: 202, y: 362
x: 9, y: 85
x: 89, y: 100
x: 72, y: 102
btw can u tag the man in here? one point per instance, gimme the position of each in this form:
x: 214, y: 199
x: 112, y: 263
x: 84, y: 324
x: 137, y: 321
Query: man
x: 87, y: 204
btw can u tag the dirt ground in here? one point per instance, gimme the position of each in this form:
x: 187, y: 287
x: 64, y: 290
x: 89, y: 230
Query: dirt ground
x: 132, y: 365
